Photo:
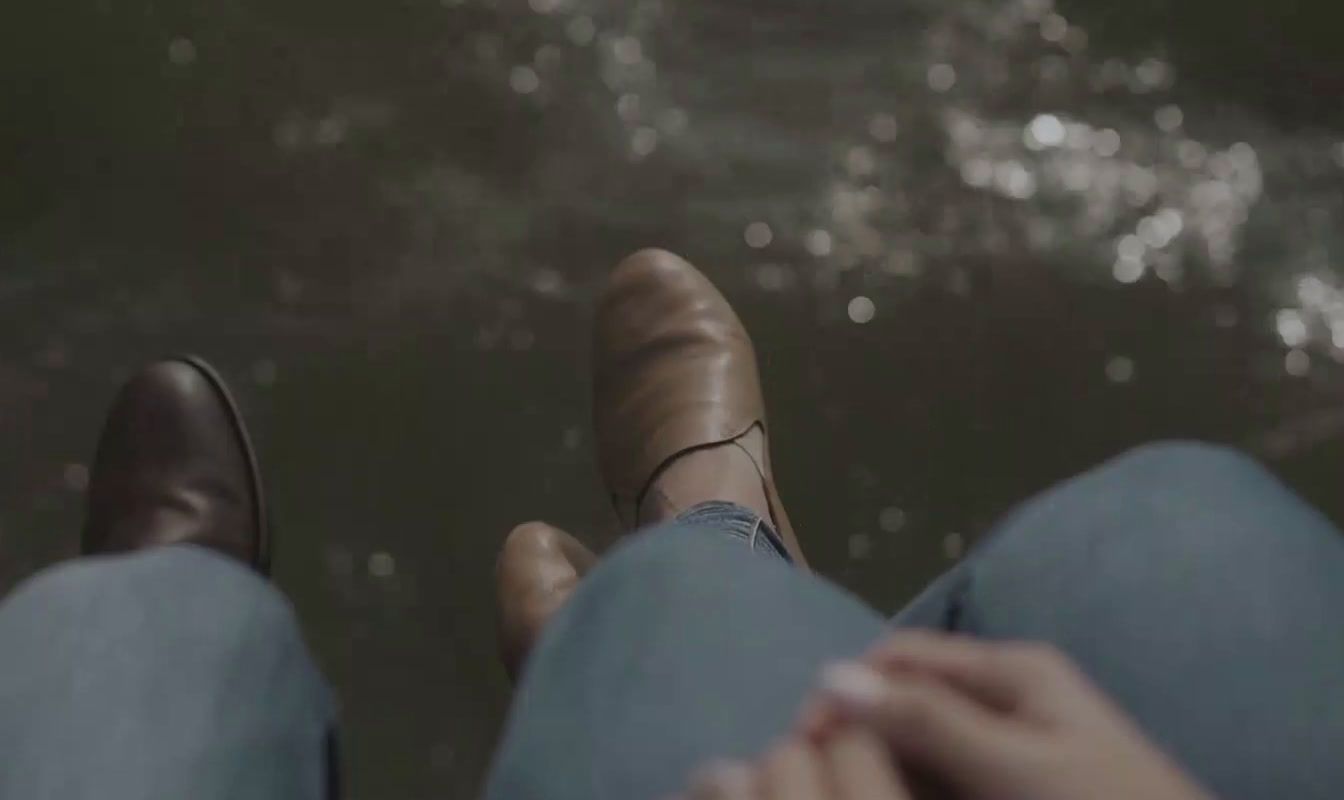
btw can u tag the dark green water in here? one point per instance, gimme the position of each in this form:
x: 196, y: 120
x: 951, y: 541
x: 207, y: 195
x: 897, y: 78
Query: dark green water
x: 385, y: 221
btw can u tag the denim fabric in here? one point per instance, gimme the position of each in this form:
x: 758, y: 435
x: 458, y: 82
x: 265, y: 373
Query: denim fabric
x: 1190, y: 584
x: 167, y: 674
x: 1198, y: 591
x: 681, y: 646
x: 1183, y: 578
x: 739, y: 522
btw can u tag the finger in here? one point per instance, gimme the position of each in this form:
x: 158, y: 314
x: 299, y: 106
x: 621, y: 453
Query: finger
x: 931, y: 724
x: 861, y: 767
x: 723, y: 780
x: 1000, y: 675
x: 815, y: 720
x: 793, y: 771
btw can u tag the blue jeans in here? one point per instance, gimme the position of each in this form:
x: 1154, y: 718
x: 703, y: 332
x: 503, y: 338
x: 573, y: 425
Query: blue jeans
x: 169, y: 674
x: 1190, y: 584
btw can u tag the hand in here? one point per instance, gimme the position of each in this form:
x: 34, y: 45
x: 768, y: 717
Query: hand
x: 995, y: 721
x: 851, y: 763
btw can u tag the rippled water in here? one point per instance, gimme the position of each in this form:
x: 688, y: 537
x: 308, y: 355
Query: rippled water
x: 981, y: 245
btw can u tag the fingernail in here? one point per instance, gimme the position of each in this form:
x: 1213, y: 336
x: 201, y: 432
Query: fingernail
x: 855, y: 688
x: 727, y: 777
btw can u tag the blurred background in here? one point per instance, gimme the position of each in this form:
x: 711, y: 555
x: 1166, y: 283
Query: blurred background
x: 982, y: 245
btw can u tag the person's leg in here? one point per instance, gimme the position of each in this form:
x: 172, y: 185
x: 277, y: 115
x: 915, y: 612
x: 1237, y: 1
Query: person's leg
x: 1197, y: 591
x: 691, y: 642
x: 173, y: 672
x: 162, y: 664
x: 697, y: 639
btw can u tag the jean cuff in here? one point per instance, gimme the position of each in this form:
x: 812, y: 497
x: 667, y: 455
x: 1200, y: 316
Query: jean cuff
x: 739, y: 522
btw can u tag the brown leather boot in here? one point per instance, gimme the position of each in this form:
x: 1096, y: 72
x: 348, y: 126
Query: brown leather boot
x: 675, y: 378
x: 539, y: 567
x: 175, y: 465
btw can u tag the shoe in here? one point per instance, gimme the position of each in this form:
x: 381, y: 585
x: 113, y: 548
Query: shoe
x: 675, y: 373
x: 175, y: 465
x: 539, y: 567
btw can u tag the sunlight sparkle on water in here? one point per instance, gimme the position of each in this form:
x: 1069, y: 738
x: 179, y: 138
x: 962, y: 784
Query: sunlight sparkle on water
x: 627, y: 106
x: 628, y: 50
x: 942, y: 77
x: 861, y: 310
x: 1297, y: 363
x: 1014, y: 180
x: 1292, y: 329
x: 1169, y: 118
x: 758, y: 235
x: 1152, y: 74
x: 1120, y: 369
x: 1044, y: 131
x: 581, y: 31
x: 182, y: 51
x: 523, y: 79
x: 891, y: 519
x: 818, y: 242
x: 1130, y: 247
x: 1128, y: 270
x: 860, y: 162
x: 382, y: 565
x: 772, y: 277
x: 977, y: 172
x: 643, y: 142
x: 75, y: 477
x: 1106, y: 143
x: 883, y: 127
x: 1054, y: 28
x: 548, y: 57
x: 673, y: 121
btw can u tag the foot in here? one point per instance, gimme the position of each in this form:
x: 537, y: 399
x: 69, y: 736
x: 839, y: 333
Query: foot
x: 175, y: 465
x: 678, y: 410
x: 537, y: 571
